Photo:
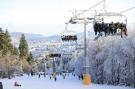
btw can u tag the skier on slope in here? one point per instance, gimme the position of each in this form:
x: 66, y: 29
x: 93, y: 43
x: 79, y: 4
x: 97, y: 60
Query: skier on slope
x: 16, y: 84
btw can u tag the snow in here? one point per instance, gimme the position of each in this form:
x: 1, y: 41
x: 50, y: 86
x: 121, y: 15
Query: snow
x: 70, y: 82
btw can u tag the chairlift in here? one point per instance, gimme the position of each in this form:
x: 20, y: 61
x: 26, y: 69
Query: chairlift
x: 110, y: 23
x: 69, y: 35
x: 55, y: 55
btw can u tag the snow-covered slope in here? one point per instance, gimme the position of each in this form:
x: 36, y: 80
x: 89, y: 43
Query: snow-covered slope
x: 45, y: 83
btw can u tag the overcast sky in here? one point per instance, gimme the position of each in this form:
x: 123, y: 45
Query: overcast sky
x: 47, y: 17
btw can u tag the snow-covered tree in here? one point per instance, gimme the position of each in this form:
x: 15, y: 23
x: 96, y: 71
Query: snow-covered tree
x: 112, y: 61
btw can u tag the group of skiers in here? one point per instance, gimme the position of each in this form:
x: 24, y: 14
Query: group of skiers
x: 69, y: 37
x: 110, y: 28
x: 80, y: 77
x: 54, y: 76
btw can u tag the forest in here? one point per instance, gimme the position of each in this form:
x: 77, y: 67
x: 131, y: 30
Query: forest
x: 111, y: 61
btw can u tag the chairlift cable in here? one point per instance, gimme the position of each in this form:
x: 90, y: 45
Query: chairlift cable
x: 127, y: 9
x: 90, y: 8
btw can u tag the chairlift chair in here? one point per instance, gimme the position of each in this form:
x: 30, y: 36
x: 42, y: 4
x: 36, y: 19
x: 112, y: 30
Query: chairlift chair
x: 106, y: 23
x: 68, y: 35
x: 55, y: 55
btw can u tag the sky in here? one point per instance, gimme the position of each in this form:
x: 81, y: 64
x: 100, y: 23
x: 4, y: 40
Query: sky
x: 48, y: 17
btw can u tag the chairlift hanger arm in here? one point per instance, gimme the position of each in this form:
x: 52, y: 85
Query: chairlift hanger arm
x: 80, y: 20
x: 109, y: 14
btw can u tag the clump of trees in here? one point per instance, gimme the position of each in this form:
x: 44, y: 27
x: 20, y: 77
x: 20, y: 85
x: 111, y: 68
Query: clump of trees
x: 112, y: 61
x: 13, y: 60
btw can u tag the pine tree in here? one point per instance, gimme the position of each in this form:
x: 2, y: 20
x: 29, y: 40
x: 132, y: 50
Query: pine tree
x: 23, y: 47
x: 5, y: 41
x: 8, y: 38
x: 8, y: 41
x: 30, y: 58
x: 1, y: 39
x: 23, y: 54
